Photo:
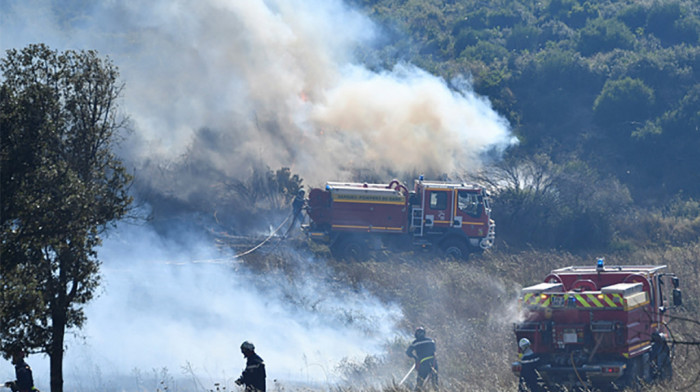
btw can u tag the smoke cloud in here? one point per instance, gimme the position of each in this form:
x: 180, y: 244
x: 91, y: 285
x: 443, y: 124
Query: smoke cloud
x: 272, y: 81
x: 178, y: 304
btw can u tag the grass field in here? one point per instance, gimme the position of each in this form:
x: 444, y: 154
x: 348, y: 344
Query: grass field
x: 469, y: 309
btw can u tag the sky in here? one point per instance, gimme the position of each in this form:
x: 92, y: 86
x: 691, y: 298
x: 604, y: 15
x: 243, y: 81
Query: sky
x: 232, y: 84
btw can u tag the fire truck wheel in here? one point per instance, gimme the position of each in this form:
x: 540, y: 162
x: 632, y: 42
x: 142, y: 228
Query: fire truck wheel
x: 630, y: 379
x: 455, y: 249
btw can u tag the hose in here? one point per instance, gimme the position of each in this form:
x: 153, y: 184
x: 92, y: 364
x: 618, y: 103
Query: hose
x: 407, y: 374
x: 253, y: 249
x: 573, y: 364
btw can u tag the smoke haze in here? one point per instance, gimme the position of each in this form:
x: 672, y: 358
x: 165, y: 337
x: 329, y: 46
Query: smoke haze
x: 272, y: 81
x: 177, y: 303
x: 228, y: 85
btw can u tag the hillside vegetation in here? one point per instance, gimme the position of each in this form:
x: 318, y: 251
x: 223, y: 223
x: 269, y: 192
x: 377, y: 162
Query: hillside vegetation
x: 603, y: 96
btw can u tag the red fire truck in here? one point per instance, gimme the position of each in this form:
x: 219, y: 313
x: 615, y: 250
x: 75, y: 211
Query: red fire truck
x: 599, y: 326
x: 356, y: 217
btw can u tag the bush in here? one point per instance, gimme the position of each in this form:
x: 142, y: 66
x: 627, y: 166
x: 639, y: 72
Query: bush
x: 604, y: 35
x: 486, y: 51
x: 661, y: 19
x: 623, y: 101
x: 523, y: 37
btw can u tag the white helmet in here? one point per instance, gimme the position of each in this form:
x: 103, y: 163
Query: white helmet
x: 524, y: 343
x: 420, y: 333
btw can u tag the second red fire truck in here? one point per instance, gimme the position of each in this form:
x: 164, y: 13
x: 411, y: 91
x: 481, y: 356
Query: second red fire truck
x: 356, y: 217
x: 600, y: 326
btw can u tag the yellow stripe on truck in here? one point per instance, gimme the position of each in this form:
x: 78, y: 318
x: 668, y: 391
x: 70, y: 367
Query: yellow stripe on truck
x: 604, y: 301
x: 369, y: 228
x: 582, y: 300
x: 399, y: 203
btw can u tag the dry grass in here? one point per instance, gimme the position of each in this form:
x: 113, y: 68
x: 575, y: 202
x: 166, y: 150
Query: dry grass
x: 470, y: 308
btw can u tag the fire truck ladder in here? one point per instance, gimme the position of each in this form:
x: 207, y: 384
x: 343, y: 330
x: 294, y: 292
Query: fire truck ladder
x: 417, y: 221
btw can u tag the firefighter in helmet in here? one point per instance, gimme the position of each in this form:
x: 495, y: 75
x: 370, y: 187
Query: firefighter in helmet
x: 422, y: 350
x: 23, y: 373
x: 528, y: 372
x: 297, y: 207
x: 253, y: 377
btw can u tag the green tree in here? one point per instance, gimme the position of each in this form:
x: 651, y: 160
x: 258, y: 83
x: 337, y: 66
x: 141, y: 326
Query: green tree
x: 544, y: 204
x: 62, y: 186
x: 603, y: 35
x: 623, y: 101
x: 523, y: 37
x: 662, y: 17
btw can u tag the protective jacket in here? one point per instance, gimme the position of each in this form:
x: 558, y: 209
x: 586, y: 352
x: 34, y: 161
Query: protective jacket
x: 253, y: 377
x: 25, y: 380
x: 423, y: 351
x: 528, y: 372
x: 297, y: 205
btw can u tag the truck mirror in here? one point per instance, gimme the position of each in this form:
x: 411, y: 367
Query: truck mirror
x: 677, y: 297
x: 675, y: 281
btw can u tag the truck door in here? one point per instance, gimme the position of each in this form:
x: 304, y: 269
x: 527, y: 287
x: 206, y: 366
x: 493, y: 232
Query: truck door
x: 470, y: 214
x: 658, y: 302
x: 438, y: 208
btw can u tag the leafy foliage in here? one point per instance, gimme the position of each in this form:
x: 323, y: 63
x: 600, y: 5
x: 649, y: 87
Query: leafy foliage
x: 543, y: 204
x: 623, y: 101
x: 601, y: 80
x: 61, y: 187
x: 255, y: 203
x: 602, y: 35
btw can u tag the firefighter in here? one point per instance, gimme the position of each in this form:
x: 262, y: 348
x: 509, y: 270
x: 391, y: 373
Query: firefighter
x: 422, y: 350
x: 23, y: 373
x: 253, y: 377
x: 660, y: 357
x: 528, y: 371
x: 297, y: 207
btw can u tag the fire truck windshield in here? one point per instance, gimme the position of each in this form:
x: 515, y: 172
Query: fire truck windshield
x: 468, y: 203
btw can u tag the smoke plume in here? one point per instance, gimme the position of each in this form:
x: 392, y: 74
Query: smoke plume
x: 272, y: 81
x: 178, y: 305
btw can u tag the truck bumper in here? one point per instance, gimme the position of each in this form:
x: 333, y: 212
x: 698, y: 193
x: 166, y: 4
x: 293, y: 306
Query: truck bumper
x: 598, y: 373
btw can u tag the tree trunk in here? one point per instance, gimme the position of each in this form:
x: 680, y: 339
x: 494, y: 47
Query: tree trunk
x: 56, y: 353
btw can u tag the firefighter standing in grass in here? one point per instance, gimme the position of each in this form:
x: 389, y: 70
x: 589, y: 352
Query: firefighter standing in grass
x: 23, y: 373
x: 422, y: 350
x: 253, y: 377
x: 297, y: 207
x: 528, y: 371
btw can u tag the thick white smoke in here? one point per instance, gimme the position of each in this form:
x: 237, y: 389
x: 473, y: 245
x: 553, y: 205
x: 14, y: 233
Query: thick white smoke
x: 273, y: 81
x: 179, y: 304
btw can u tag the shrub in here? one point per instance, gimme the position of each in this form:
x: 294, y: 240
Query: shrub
x: 623, y: 101
x: 604, y: 35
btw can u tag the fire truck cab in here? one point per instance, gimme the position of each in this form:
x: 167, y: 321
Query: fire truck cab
x: 455, y: 209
